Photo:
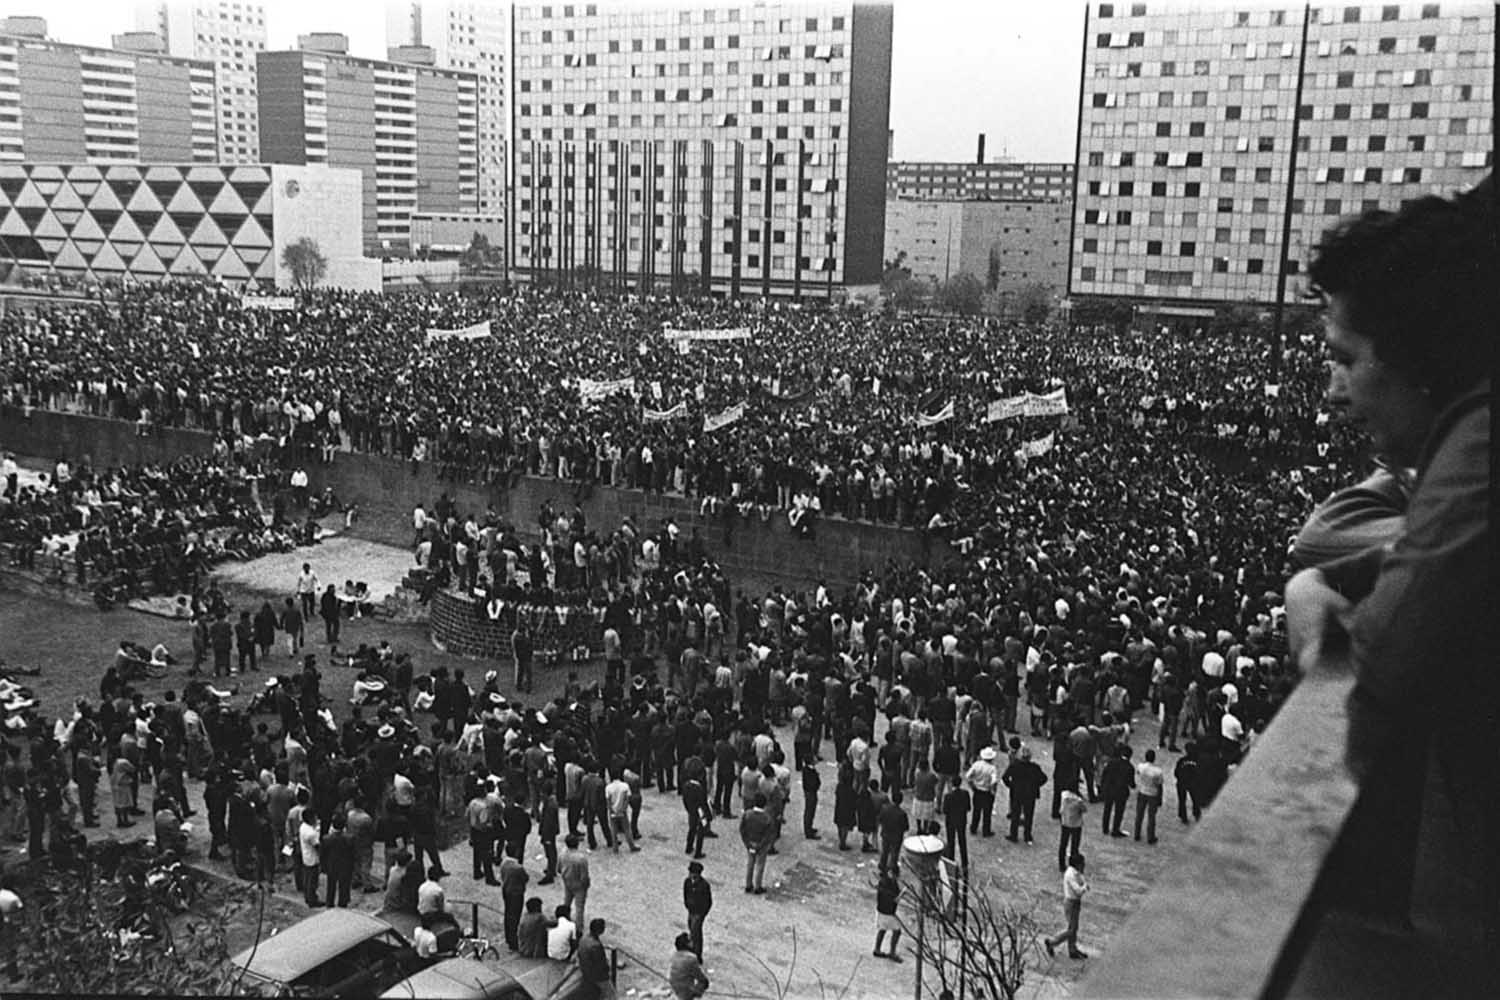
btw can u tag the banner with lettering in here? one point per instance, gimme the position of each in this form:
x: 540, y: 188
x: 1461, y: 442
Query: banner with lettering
x: 477, y: 331
x: 656, y: 416
x: 1051, y: 404
x: 1006, y: 409
x: 733, y: 333
x: 724, y: 418
x: 1039, y: 447
x: 592, y: 390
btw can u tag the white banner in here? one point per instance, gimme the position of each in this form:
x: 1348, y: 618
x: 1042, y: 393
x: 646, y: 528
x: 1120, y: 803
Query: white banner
x: 1006, y: 409
x: 590, y: 390
x: 734, y: 333
x: 946, y: 413
x: 476, y: 332
x: 276, y: 303
x: 654, y: 416
x: 1040, y: 446
x: 723, y: 419
x: 1051, y: 404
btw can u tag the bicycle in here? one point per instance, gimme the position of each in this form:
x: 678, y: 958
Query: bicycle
x: 477, y: 948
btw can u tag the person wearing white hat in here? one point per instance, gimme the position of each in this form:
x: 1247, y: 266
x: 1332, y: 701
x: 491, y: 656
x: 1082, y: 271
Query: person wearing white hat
x: 982, y: 778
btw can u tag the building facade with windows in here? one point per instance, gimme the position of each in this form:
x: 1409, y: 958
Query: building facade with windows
x: 1007, y: 245
x: 737, y: 149
x: 472, y: 37
x: 920, y: 181
x: 411, y: 131
x: 62, y: 103
x: 1192, y: 144
x: 227, y: 34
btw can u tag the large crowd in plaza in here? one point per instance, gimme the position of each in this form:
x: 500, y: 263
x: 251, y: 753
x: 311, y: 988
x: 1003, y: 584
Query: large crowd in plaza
x: 1133, y: 565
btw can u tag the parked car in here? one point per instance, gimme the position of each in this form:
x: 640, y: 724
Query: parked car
x: 335, y: 953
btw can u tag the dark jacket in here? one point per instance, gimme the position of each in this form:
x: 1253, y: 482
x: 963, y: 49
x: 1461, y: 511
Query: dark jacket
x: 697, y: 895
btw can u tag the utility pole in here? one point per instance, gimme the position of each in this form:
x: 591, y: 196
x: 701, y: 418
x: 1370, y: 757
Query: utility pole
x: 1278, y: 335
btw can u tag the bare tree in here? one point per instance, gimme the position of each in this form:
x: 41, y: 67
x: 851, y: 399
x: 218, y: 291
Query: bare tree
x: 968, y: 937
x: 306, y: 262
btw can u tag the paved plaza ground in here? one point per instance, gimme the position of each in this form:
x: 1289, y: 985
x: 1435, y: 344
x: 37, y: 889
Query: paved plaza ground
x: 819, y: 896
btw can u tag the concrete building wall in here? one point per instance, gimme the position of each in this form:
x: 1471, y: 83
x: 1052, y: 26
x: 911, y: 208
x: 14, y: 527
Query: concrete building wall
x: 1029, y: 241
x: 869, y: 136
x: 51, y: 100
x: 327, y: 205
x: 280, y: 110
x: 929, y: 233
x: 166, y: 134
x: 437, y: 145
x: 351, y: 133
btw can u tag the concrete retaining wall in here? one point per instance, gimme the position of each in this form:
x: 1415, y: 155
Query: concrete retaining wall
x: 386, y: 490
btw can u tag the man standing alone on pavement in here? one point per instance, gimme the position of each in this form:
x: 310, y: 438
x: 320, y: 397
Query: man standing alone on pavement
x: 573, y: 868
x: 1073, y: 808
x: 1025, y: 780
x: 698, y: 898
x: 1074, y: 888
x: 307, y: 590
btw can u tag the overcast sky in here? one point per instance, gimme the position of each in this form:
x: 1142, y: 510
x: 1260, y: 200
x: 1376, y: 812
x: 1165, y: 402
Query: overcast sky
x: 958, y: 67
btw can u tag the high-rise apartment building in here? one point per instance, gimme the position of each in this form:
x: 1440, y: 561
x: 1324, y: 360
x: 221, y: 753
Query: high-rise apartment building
x: 1003, y: 181
x: 473, y: 37
x: 411, y: 130
x: 62, y: 103
x: 1186, y: 148
x: 228, y: 34
x: 737, y: 148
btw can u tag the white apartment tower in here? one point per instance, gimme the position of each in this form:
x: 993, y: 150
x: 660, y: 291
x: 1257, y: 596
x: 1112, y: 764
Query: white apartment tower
x: 228, y: 34
x: 738, y: 148
x: 471, y: 37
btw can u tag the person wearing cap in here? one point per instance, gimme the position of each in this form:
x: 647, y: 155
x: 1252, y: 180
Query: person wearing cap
x: 685, y: 976
x: 1025, y: 780
x: 698, y: 899
x: 982, y: 778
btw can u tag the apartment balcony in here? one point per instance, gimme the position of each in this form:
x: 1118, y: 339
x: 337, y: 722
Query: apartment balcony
x: 1278, y: 892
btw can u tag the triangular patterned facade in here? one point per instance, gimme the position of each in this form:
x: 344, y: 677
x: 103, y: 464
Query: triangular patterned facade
x: 142, y: 220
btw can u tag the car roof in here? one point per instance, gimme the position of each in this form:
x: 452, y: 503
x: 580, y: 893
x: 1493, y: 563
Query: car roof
x: 455, y: 979
x: 309, y: 943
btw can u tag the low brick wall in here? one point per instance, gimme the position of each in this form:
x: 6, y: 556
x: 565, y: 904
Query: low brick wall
x: 463, y: 626
x: 76, y: 436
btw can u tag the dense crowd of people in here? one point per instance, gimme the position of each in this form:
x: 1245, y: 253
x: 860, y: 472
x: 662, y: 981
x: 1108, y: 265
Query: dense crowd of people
x: 1135, y: 565
x: 131, y: 530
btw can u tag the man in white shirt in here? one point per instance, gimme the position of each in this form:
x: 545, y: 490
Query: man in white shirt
x: 1074, y: 888
x: 309, y: 841
x: 982, y: 778
x: 307, y: 590
x: 430, y: 895
x: 617, y: 795
x: 560, y: 936
x: 1149, y: 778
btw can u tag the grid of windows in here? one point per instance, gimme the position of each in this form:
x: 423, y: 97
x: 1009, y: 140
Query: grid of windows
x: 1187, y: 133
x: 978, y: 181
x: 629, y: 121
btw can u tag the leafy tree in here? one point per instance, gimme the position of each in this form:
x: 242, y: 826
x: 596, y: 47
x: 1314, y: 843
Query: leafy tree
x: 1035, y: 302
x: 962, y: 294
x: 900, y: 289
x: 478, y: 253
x: 306, y: 262
x: 992, y: 278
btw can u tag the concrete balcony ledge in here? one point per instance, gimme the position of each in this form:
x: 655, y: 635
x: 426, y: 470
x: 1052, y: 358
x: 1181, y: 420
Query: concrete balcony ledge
x: 1228, y: 906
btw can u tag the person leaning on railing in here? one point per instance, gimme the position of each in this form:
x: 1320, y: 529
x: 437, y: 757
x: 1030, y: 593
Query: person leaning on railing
x: 1413, y: 310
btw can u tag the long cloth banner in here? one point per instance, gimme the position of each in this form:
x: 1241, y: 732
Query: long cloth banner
x: 476, y: 332
x: 733, y: 333
x: 723, y: 419
x: 656, y: 416
x: 1029, y: 404
x: 275, y: 303
x: 590, y: 390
